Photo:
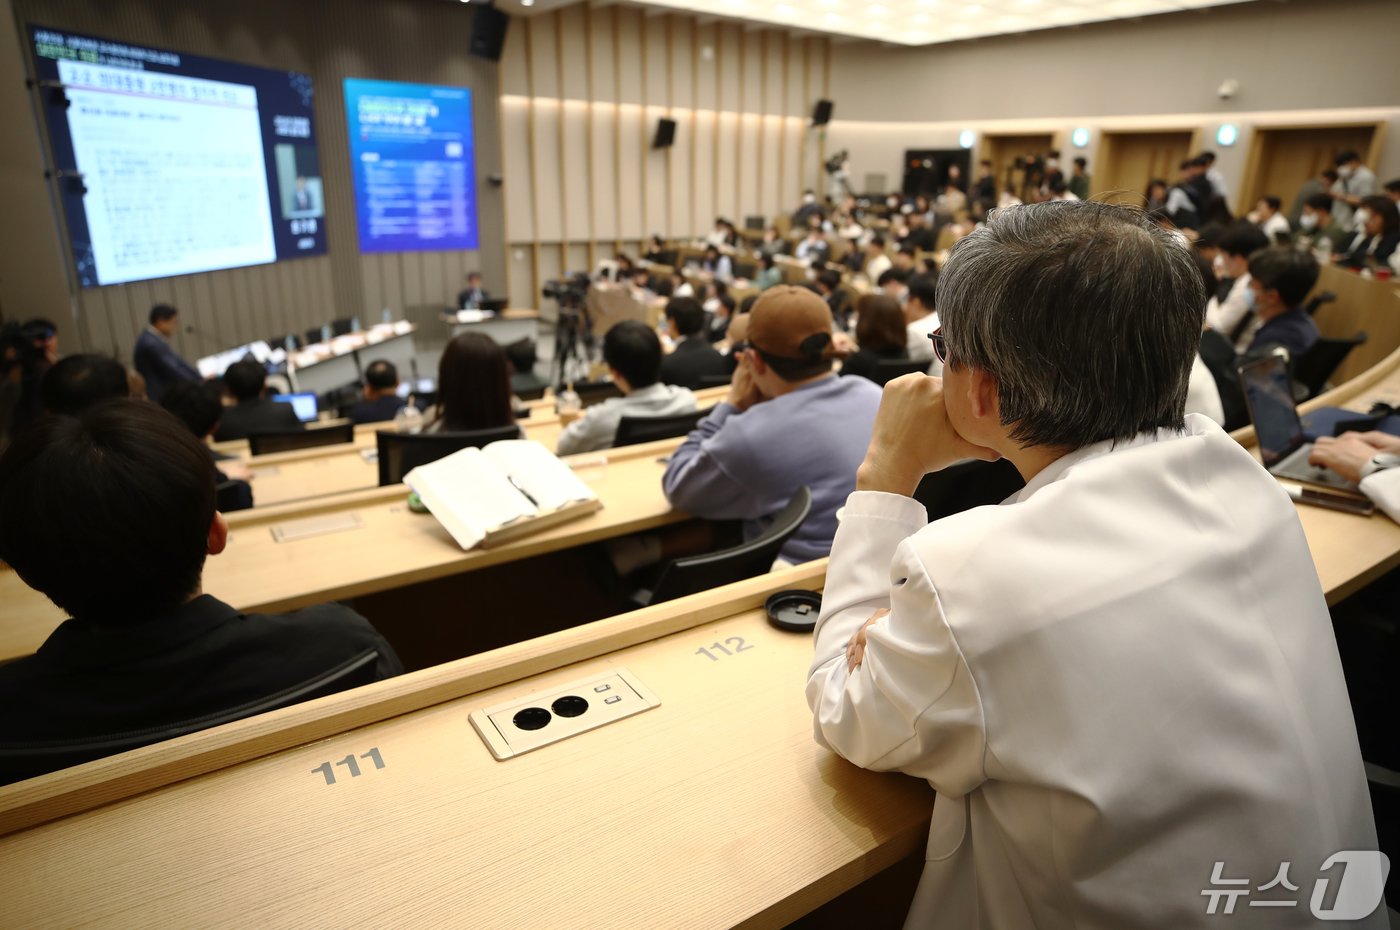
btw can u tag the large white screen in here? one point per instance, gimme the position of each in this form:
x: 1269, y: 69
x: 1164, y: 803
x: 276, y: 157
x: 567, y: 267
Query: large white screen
x: 174, y: 169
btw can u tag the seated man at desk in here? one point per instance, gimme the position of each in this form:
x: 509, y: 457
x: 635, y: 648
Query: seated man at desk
x: 110, y: 514
x: 474, y: 294
x: 1122, y: 682
x: 382, y: 401
x: 789, y: 421
x: 632, y: 351
x: 251, y: 411
x: 693, y: 357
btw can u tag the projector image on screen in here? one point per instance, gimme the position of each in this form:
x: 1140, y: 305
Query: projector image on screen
x: 188, y: 164
x: 414, y: 166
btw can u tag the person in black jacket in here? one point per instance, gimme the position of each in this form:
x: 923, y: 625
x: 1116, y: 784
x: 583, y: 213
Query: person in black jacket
x: 111, y: 514
x: 382, y: 401
x: 252, y: 412
x: 880, y: 334
x: 197, y: 405
x: 693, y: 357
x: 1379, y: 236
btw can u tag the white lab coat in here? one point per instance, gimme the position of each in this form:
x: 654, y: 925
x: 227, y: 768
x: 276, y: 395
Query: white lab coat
x: 1113, y: 680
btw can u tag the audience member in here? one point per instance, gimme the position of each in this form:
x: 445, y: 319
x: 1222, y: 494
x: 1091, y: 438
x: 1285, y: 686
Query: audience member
x: 632, y: 352
x: 1039, y: 662
x: 876, y: 261
x: 1270, y: 220
x: 197, y: 405
x: 814, y: 250
x: 1156, y: 196
x: 773, y: 243
x: 655, y: 250
x: 471, y: 297
x: 921, y: 319
x: 838, y: 299
x: 76, y: 382
x: 38, y: 351
x: 717, y: 327
x: 1213, y: 176
x: 381, y: 401
x: 716, y: 264
x: 155, y: 358
x: 894, y: 283
x: 473, y: 386
x: 810, y: 208
x: 1355, y: 182
x: 788, y: 422
x: 1378, y: 220
x: 524, y: 356
x: 693, y: 358
x: 1233, y: 316
x: 984, y: 190
x: 1281, y: 278
x: 769, y: 273
x: 1317, y: 229
x: 111, y: 514
x: 1321, y: 184
x: 880, y: 335
x: 1079, y: 179
x: 252, y: 412
x: 1182, y: 205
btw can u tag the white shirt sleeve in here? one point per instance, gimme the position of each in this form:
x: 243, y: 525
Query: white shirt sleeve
x: 1383, y: 487
x: 912, y: 705
x: 1224, y: 316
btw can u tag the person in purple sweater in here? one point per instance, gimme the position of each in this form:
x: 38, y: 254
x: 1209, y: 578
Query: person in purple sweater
x: 788, y: 422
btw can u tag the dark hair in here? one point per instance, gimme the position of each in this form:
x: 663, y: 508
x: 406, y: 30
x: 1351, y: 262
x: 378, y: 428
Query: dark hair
x: 1386, y: 209
x: 878, y: 240
x: 108, y: 512
x: 1087, y: 315
x: 728, y: 302
x: 1208, y: 236
x: 880, y: 324
x: 77, y: 382
x: 634, y: 351
x: 1346, y: 157
x: 830, y: 278
x: 1393, y: 185
x: 1243, y: 239
x: 892, y: 274
x: 381, y: 375
x: 795, y: 369
x: 687, y: 314
x: 768, y: 261
x: 1323, y: 202
x: 474, y: 384
x: 747, y: 303
x: 924, y: 289
x: 1082, y: 162
x: 1188, y: 163
x: 195, y: 404
x: 162, y: 312
x: 1206, y: 157
x: 473, y: 274
x: 1290, y: 272
x: 245, y: 380
x: 523, y: 355
x: 1058, y: 184
x: 1161, y: 217
x: 39, y: 328
x: 1330, y: 174
x: 1274, y: 203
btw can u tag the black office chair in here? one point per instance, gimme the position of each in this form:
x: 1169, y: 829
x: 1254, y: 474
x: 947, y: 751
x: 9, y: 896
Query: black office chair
x: 22, y: 760
x: 343, y: 326
x: 312, y: 336
x: 966, y: 485
x: 632, y: 431
x: 747, y: 270
x: 887, y: 369
x: 232, y: 495
x: 702, y: 572
x: 400, y: 453
x: 1316, y: 302
x: 595, y: 392
x: 709, y: 381
x: 289, y: 440
x: 1315, y: 366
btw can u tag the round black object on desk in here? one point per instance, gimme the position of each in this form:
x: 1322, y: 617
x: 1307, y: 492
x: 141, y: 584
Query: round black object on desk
x: 795, y: 610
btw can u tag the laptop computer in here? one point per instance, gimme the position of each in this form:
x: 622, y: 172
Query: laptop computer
x: 1268, y: 391
x: 494, y: 304
x: 303, y: 404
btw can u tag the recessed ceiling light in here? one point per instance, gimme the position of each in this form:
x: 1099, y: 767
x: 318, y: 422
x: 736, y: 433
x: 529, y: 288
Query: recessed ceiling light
x: 876, y: 11
x: 527, y: 2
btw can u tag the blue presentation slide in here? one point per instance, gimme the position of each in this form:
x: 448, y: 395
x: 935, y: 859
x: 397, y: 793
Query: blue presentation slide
x: 414, y: 165
x: 186, y: 164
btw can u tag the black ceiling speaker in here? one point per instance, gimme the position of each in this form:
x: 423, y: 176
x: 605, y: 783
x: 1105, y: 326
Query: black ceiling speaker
x: 488, y: 31
x: 821, y: 113
x: 665, y: 133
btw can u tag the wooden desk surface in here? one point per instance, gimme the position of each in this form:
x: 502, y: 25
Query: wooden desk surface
x: 715, y: 809
x: 392, y: 547
x: 1362, y: 304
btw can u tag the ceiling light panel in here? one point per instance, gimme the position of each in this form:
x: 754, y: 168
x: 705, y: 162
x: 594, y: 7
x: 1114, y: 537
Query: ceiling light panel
x: 925, y: 22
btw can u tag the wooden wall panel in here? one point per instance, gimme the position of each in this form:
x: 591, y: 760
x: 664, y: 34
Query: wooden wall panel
x: 573, y: 158
x: 604, y: 172
x: 573, y: 52
x: 515, y: 168
x: 602, y: 53
x: 628, y: 54
x: 545, y: 177
x: 629, y: 163
x: 658, y: 193
x: 703, y: 174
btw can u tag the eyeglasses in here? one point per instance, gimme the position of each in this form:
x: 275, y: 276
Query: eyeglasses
x: 940, y: 348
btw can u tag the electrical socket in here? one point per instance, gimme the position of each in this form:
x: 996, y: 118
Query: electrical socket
x: 524, y: 724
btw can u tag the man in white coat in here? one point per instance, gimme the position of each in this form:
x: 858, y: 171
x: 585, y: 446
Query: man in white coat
x: 1122, y: 682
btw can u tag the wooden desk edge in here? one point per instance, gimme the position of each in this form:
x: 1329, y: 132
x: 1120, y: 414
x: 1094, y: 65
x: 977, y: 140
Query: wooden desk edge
x: 70, y: 791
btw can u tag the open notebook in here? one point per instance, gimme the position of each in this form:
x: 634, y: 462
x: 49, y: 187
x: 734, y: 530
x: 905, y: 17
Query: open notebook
x: 511, y: 487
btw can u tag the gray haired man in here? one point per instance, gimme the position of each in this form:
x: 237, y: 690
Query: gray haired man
x: 1122, y: 682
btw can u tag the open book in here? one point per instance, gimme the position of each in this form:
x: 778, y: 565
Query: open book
x: 511, y: 487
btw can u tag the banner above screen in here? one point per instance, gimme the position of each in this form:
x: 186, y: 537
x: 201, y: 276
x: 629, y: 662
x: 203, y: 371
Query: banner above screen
x: 183, y: 164
x: 414, y: 164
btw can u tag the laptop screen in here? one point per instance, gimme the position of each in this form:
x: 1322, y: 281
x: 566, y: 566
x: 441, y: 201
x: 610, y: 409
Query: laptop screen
x: 1269, y: 392
x: 303, y: 404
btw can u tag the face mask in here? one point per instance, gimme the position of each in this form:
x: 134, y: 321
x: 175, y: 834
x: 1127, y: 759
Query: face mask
x: 1345, y: 171
x: 1308, y: 221
x: 1362, y: 216
x: 1218, y: 263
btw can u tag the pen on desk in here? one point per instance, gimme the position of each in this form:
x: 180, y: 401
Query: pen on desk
x: 1344, y: 503
x: 516, y: 484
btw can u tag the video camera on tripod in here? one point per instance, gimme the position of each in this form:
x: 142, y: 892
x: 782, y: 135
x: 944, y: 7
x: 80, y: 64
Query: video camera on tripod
x: 573, y: 336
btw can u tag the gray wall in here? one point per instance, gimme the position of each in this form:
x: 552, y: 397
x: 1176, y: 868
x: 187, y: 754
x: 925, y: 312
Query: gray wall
x: 404, y: 40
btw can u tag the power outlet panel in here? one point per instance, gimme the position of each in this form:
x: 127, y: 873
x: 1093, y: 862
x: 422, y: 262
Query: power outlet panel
x: 524, y: 724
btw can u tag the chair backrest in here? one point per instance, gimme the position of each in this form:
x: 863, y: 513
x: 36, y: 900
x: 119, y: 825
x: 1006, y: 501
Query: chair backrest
x: 703, y: 572
x: 966, y: 485
x: 289, y: 440
x: 28, y: 759
x: 709, y: 381
x: 595, y: 392
x: 343, y: 326
x: 887, y: 369
x: 634, y: 430
x: 1317, y: 300
x: 1315, y: 366
x: 232, y: 495
x: 400, y: 453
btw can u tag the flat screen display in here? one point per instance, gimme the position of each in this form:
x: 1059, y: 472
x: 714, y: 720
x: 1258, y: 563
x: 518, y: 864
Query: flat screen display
x: 414, y: 164
x: 184, y: 164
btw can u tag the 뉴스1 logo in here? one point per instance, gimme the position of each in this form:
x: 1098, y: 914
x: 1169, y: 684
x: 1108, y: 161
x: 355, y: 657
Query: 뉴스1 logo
x: 1359, y: 885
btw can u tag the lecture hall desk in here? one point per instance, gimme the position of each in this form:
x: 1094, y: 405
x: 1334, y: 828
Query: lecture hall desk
x: 392, y: 548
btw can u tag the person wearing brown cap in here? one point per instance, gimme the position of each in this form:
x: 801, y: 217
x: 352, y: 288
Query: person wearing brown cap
x: 788, y: 422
